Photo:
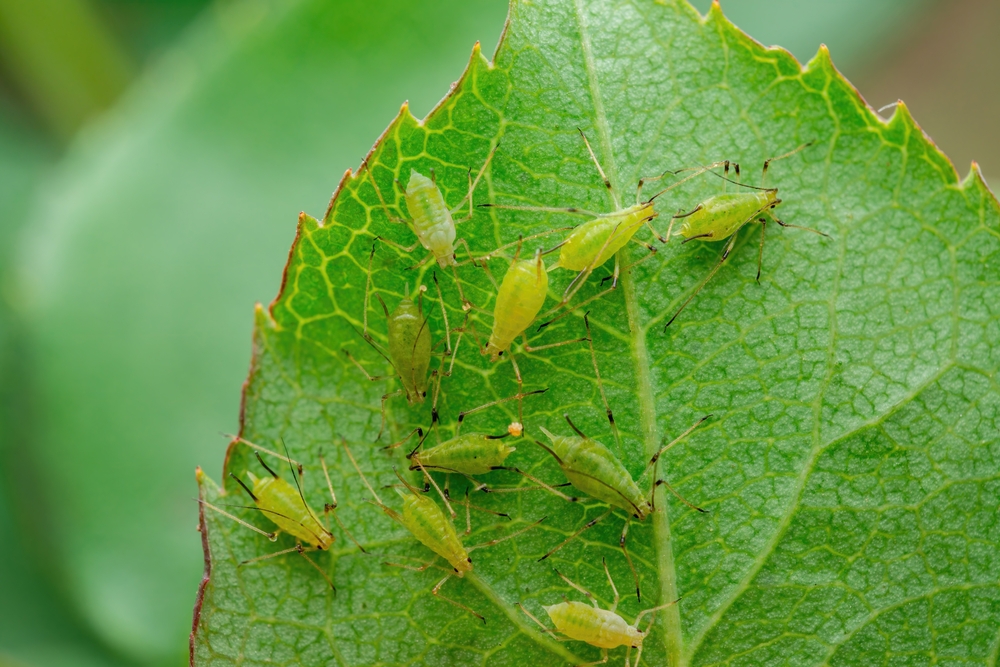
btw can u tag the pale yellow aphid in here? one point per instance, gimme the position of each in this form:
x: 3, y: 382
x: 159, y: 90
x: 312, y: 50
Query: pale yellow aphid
x: 519, y: 299
x: 433, y: 223
x: 431, y: 527
x: 603, y: 628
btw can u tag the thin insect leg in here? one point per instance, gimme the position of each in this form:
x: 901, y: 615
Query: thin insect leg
x: 347, y: 532
x: 435, y: 592
x: 444, y: 315
x: 302, y: 552
x: 628, y: 558
x: 590, y: 596
x: 473, y: 184
x: 466, y: 304
x: 441, y: 493
x: 368, y: 286
x: 603, y: 660
x: 506, y: 537
x: 465, y: 413
x: 600, y: 384
x: 808, y: 229
x: 698, y: 171
x: 653, y: 610
x: 386, y: 397
x: 607, y: 182
x: 520, y: 387
x: 468, y: 513
x: 469, y: 326
x: 590, y: 524
x: 548, y: 346
x: 760, y: 253
x: 413, y: 568
x: 722, y: 260
x: 378, y: 192
x: 678, y: 496
x: 547, y: 209
x: 362, y: 476
x: 790, y: 153
x: 549, y: 631
x: 498, y: 252
x: 276, y: 455
x: 399, y: 443
x: 400, y: 246
x: 614, y: 605
x: 654, y: 462
x: 270, y: 536
x: 372, y: 378
x: 540, y: 483
x: 251, y: 561
x: 578, y: 281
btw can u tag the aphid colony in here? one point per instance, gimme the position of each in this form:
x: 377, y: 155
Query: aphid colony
x: 409, y: 349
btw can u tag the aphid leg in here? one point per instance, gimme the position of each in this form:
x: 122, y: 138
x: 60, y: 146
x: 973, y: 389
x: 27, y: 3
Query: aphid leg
x: 655, y: 460
x: 603, y: 660
x: 600, y: 384
x: 435, y: 592
x: 547, y: 209
x: 276, y: 455
x: 549, y: 631
x: 808, y: 229
x: 465, y: 413
x: 628, y: 559
x: 649, y: 626
x: 540, y: 483
x: 698, y: 171
x: 679, y: 496
x: 437, y: 488
x: 251, y: 561
x: 611, y: 581
x: 590, y: 596
x: 298, y: 548
x: 386, y: 397
x: 381, y: 200
x: 378, y: 501
x: 506, y: 537
x: 400, y: 246
x: 472, y: 187
x: 760, y: 253
x: 331, y: 508
x: 270, y: 536
x: 498, y: 252
x: 590, y: 524
x: 399, y: 443
x: 607, y: 181
x: 767, y: 162
x: 725, y: 255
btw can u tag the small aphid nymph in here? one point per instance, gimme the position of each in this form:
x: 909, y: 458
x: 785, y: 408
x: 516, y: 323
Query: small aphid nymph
x: 520, y: 297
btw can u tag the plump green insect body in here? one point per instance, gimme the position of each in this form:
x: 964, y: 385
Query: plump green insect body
x: 469, y: 454
x: 598, y: 627
x: 721, y: 216
x: 519, y: 299
x: 281, y: 502
x: 592, y: 468
x: 602, y: 237
x: 432, y: 221
x: 409, y: 347
x: 422, y: 517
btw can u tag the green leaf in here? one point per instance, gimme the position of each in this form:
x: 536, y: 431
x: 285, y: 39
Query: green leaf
x: 850, y: 470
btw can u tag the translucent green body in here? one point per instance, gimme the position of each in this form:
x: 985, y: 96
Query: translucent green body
x: 597, y: 627
x: 432, y: 221
x: 721, y: 216
x: 472, y: 454
x: 281, y: 503
x: 587, y: 240
x: 423, y: 518
x: 592, y: 468
x: 410, y: 349
x: 521, y: 296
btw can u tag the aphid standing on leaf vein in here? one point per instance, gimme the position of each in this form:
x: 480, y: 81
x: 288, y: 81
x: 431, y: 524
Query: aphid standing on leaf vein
x: 408, y: 348
x: 603, y: 628
x: 286, y: 507
x: 723, y: 216
x: 431, y: 527
x: 591, y: 244
x: 431, y: 219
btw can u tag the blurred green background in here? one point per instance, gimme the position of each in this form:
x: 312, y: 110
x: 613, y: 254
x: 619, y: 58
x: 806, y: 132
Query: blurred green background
x: 154, y: 155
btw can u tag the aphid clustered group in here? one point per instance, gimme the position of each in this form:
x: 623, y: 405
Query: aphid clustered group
x: 588, y: 465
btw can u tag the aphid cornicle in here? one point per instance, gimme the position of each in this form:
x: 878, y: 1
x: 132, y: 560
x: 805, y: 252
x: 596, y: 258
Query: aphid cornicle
x: 592, y: 243
x: 286, y: 507
x: 603, y: 628
x: 721, y: 216
x: 431, y: 220
x: 431, y: 527
x: 408, y: 345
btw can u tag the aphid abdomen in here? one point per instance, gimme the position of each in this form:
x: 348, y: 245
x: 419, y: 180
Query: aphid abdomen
x: 594, y: 470
x: 410, y: 349
x: 722, y: 215
x: 597, y: 627
x: 280, y: 502
x: 519, y: 299
x: 472, y: 454
x: 589, y: 239
x: 423, y: 518
x: 432, y: 221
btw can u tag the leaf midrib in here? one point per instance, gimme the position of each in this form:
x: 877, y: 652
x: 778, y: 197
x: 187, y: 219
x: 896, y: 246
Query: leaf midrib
x: 666, y: 570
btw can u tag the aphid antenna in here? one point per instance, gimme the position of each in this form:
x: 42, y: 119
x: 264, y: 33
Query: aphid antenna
x: 790, y: 153
x: 472, y: 186
x: 600, y: 384
x: 588, y: 525
x: 331, y: 508
x: 654, y: 464
x: 298, y: 484
x: 600, y: 170
x: 276, y: 455
x: 742, y: 185
x: 427, y: 476
x: 506, y: 537
x: 698, y: 171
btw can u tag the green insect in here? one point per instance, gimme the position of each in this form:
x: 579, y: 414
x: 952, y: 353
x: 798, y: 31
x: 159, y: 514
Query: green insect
x: 286, y: 507
x: 592, y: 243
x: 603, y: 628
x: 431, y: 219
x: 431, y: 527
x: 408, y: 346
x: 722, y: 216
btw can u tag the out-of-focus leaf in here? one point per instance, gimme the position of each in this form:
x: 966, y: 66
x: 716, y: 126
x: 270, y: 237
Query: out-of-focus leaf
x: 851, y: 469
x: 154, y: 239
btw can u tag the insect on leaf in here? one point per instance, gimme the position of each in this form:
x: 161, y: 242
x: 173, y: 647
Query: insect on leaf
x: 851, y: 469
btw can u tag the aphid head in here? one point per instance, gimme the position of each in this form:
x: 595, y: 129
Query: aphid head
x: 494, y: 352
x: 636, y: 635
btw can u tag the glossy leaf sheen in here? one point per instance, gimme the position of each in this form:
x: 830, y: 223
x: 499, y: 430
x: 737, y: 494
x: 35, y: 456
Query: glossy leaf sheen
x: 851, y: 466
